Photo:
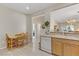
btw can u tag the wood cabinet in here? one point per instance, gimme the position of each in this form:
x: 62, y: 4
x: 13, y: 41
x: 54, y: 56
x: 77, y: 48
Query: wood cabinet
x: 75, y: 50
x: 67, y: 50
x: 57, y: 47
x: 71, y: 50
x: 65, y: 47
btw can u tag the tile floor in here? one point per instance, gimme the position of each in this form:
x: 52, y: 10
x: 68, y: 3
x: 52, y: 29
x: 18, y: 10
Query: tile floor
x: 23, y: 51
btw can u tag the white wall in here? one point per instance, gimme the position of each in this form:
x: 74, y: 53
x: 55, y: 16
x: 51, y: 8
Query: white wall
x: 11, y: 22
x: 52, y: 24
x: 29, y: 26
x: 29, y: 23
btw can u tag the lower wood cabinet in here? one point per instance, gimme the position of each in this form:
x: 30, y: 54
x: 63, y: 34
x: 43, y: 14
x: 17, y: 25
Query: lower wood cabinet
x: 67, y: 50
x: 71, y: 50
x: 75, y: 50
x: 57, y: 47
x: 65, y: 47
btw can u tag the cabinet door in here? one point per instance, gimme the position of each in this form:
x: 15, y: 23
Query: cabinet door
x: 67, y: 50
x: 57, y: 47
x: 75, y: 50
x: 71, y: 50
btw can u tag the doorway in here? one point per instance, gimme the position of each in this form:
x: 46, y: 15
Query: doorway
x: 35, y: 35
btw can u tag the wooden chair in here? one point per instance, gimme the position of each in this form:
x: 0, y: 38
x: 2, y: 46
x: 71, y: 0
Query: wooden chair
x: 17, y: 40
x: 11, y: 42
x: 22, y: 37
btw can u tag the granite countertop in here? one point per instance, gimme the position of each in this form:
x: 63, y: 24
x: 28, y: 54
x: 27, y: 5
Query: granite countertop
x: 44, y: 35
x: 71, y: 37
x: 66, y: 37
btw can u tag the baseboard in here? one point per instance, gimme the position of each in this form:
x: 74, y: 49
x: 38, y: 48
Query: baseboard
x: 45, y: 51
x: 3, y: 48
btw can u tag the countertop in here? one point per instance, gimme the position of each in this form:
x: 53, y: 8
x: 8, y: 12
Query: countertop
x: 66, y: 37
x: 71, y: 37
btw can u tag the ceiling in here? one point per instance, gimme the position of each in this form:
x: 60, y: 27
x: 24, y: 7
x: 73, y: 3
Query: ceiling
x: 64, y: 14
x: 34, y: 7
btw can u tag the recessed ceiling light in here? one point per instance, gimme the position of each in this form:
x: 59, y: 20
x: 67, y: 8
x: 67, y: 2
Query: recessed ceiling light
x: 27, y: 7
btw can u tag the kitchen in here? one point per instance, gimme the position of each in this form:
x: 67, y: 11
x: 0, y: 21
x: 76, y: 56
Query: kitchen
x: 60, y: 37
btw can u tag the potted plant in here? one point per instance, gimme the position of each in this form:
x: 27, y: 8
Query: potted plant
x: 47, y: 23
x: 45, y: 26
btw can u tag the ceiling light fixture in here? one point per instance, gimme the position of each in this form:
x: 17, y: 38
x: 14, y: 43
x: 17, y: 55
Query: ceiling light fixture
x: 27, y: 8
x: 71, y: 20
